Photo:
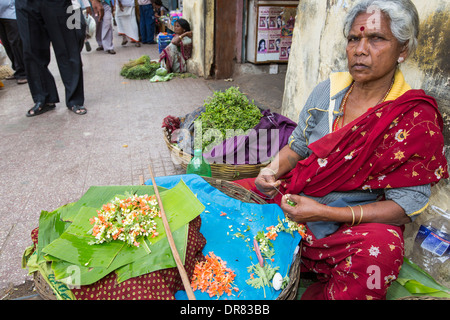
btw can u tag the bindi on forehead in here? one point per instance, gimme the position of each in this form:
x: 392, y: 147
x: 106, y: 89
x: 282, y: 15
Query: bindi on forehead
x: 369, y: 22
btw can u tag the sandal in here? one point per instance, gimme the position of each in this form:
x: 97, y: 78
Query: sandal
x: 80, y: 110
x: 40, y: 108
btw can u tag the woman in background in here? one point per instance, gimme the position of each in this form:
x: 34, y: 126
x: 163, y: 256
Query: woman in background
x: 126, y: 22
x: 362, y: 160
x: 175, y: 55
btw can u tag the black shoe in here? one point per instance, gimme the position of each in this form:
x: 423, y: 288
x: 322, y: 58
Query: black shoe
x: 88, y: 46
x: 40, y: 108
x: 80, y: 110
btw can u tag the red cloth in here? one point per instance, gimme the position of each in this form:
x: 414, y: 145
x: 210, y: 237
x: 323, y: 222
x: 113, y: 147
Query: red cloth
x: 396, y: 144
x: 354, y: 263
x: 157, y: 285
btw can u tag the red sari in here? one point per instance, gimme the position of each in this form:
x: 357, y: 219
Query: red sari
x: 396, y: 144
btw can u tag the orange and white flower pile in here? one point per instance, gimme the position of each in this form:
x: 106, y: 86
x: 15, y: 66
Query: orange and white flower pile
x: 285, y: 225
x: 126, y: 220
x: 213, y: 276
x: 292, y: 226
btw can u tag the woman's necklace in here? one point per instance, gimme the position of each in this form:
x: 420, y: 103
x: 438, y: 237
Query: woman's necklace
x: 344, y: 103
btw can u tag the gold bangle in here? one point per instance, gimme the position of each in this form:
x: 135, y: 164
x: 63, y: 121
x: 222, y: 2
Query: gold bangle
x: 361, y: 215
x: 353, y: 214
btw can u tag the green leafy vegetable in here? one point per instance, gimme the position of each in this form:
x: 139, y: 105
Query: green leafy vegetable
x: 265, y: 245
x: 227, y: 114
x: 264, y: 276
x: 141, y: 68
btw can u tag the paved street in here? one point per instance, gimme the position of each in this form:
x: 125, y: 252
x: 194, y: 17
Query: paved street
x: 52, y: 159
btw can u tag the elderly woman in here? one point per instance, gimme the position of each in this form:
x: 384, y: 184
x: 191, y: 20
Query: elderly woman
x: 174, y: 56
x: 362, y: 160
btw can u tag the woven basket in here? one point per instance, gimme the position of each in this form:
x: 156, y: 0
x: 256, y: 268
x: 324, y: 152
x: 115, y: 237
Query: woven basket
x: 235, y: 191
x: 42, y: 287
x: 232, y: 190
x: 221, y: 171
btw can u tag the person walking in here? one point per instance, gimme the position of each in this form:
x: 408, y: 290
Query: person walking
x: 9, y: 35
x: 43, y: 23
x: 126, y: 22
x: 146, y: 21
x: 104, y: 28
x: 83, y: 5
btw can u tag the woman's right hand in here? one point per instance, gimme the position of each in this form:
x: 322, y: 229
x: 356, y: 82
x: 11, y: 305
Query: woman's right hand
x: 266, y: 182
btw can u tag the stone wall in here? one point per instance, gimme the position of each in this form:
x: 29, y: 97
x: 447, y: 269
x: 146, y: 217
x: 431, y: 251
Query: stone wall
x: 318, y: 49
x: 200, y: 14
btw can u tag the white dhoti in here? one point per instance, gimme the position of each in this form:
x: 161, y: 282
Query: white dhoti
x: 126, y: 23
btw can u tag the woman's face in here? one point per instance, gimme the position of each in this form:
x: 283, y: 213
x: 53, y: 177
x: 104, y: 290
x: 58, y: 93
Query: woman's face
x: 177, y: 28
x: 372, y: 49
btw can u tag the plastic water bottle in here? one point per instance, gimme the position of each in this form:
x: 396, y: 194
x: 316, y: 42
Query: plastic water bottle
x: 431, y: 249
x: 199, y: 165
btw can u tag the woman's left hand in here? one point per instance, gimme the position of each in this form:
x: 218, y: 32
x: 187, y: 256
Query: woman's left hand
x: 305, y: 209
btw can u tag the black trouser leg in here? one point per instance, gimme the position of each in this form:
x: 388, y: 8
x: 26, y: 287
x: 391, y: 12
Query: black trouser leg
x: 5, y: 42
x: 41, y: 22
x: 65, y: 35
x: 36, y: 51
x: 11, y: 33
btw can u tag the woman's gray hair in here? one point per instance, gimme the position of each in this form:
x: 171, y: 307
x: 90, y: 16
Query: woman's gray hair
x: 402, y: 14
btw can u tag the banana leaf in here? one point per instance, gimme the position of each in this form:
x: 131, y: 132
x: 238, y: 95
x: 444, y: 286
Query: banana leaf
x: 160, y: 258
x: 71, y: 274
x: 51, y: 226
x: 180, y: 205
x: 413, y: 281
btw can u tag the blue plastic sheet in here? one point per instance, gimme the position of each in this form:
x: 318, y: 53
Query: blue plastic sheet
x: 219, y: 230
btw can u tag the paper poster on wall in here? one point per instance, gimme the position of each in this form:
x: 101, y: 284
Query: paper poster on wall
x: 285, y: 48
x: 262, y: 43
x: 274, y: 33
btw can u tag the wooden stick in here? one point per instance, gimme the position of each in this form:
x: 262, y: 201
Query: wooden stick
x: 173, y: 248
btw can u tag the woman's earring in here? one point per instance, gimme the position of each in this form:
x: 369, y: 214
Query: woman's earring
x: 400, y: 60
